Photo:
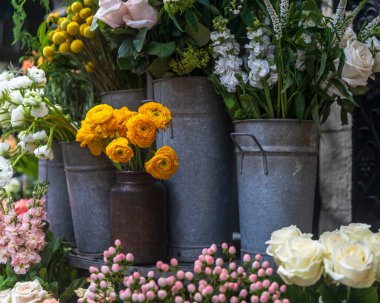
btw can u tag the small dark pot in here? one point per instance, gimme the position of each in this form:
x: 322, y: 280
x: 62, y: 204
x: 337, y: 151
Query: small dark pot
x: 139, y: 216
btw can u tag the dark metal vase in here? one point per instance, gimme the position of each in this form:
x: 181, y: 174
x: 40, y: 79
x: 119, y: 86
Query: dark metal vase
x: 200, y: 193
x: 139, y: 216
x: 276, y: 177
x: 130, y: 98
x: 58, y: 203
x: 89, y: 180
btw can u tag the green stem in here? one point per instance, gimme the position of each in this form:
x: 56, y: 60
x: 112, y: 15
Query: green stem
x: 18, y: 158
x: 348, y: 295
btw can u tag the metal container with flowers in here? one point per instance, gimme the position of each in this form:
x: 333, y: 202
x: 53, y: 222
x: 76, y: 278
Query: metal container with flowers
x: 138, y: 200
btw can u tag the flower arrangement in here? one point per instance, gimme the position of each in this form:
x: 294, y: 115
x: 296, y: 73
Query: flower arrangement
x: 293, y: 62
x: 122, y: 135
x: 213, y: 280
x: 348, y: 260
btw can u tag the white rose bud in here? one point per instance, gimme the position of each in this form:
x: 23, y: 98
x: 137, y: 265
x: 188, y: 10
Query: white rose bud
x: 356, y: 231
x: 352, y: 264
x: 358, y: 63
x: 6, y: 171
x: 301, y: 261
x: 44, y: 152
x: 40, y: 111
x: 18, y: 116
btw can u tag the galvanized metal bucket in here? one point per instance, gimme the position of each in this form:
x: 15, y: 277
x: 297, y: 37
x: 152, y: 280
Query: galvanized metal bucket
x: 130, y: 98
x: 89, y: 180
x: 58, y: 203
x: 277, y: 168
x: 200, y: 192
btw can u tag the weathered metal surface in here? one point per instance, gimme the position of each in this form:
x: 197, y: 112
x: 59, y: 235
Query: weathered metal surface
x: 58, y: 203
x: 139, y: 216
x: 200, y: 193
x: 89, y: 180
x: 130, y: 98
x: 276, y: 185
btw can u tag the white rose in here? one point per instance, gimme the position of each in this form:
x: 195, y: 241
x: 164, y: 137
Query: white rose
x: 20, y: 82
x: 18, y: 116
x: 25, y: 292
x: 37, y: 75
x: 40, y: 136
x: 16, y: 97
x: 374, y: 242
x: 348, y: 35
x: 301, y: 261
x: 40, y: 111
x: 330, y: 239
x: 6, y: 76
x: 356, y: 231
x: 352, y: 264
x: 4, y: 148
x: 374, y: 44
x: 44, y: 152
x: 5, y: 296
x: 6, y: 171
x: 358, y: 63
x: 13, y: 186
x: 279, y: 237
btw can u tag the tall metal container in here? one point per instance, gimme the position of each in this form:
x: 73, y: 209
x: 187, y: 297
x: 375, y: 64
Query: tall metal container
x: 58, y: 203
x: 89, y: 180
x: 200, y: 192
x: 130, y: 98
x: 276, y: 174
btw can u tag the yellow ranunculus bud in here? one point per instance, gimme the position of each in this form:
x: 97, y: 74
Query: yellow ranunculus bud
x: 58, y: 38
x: 158, y: 113
x: 164, y: 163
x: 64, y: 24
x: 76, y: 46
x: 89, y: 67
x: 141, y: 131
x: 119, y: 151
x: 76, y: 7
x: 89, y: 20
x: 85, y: 12
x: 88, y: 33
x: 77, y: 18
x: 48, y: 51
x: 88, y: 2
x: 64, y: 47
x: 81, y: 29
x: 73, y: 28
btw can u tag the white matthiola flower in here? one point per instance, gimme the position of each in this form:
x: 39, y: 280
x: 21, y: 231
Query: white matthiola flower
x: 13, y: 186
x: 40, y: 111
x: 20, y: 82
x: 6, y: 76
x: 44, y: 152
x: 18, y: 116
x: 37, y: 75
x: 40, y: 136
x: 6, y: 171
x: 4, y: 148
x: 16, y: 97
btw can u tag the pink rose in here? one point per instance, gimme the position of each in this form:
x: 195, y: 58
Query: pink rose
x: 21, y: 206
x: 111, y: 12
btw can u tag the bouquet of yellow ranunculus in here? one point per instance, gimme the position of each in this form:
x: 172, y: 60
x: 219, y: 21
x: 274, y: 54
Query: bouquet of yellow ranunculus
x: 122, y: 135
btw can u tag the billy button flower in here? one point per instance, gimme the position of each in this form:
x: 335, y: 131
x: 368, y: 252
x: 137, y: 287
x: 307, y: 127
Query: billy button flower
x: 48, y: 51
x: 141, y: 131
x: 64, y: 47
x: 164, y: 163
x: 58, y: 38
x: 76, y: 46
x: 119, y: 151
x: 89, y: 20
x: 89, y: 67
x: 64, y: 23
x: 76, y: 7
x: 85, y: 13
x: 73, y: 28
x: 87, y: 32
x: 159, y: 114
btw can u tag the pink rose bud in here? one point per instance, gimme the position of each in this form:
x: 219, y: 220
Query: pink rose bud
x: 94, y: 277
x: 91, y: 296
x: 141, y: 298
x: 285, y: 301
x: 117, y: 242
x: 162, y: 294
x: 283, y: 288
x: 174, y: 262
x: 150, y: 295
x: 258, y: 285
x: 264, y: 297
x: 165, y: 267
x: 103, y: 284
x: 116, y: 267
x: 258, y: 257
x: 219, y: 262
x: 234, y: 300
x: 222, y: 298
x: 136, y: 275
x: 224, y: 246
x: 213, y: 248
x: 106, y: 254
x: 204, y: 251
x: 209, y: 260
x: 181, y: 274
x: 92, y: 287
x: 208, y: 271
x: 191, y: 288
x: 159, y: 264
x: 105, y: 269
x: 255, y: 299
x: 189, y: 276
x: 223, y: 276
x: 246, y: 258
x: 272, y: 290
x: 215, y: 299
x: 253, y: 278
x: 93, y: 269
x: 269, y: 271
x: 243, y: 293
x: 201, y: 258
x: 277, y: 301
x: 232, y: 266
x: 198, y: 297
x: 151, y: 274
x: 232, y: 250
x: 266, y: 283
x: 261, y: 272
x: 265, y: 265
x: 134, y: 297
x: 129, y: 258
x: 178, y: 299
x: 112, y: 250
x: 197, y: 269
x: 234, y: 275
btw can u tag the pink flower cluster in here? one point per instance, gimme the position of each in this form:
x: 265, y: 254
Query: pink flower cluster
x: 22, y: 235
x: 212, y: 280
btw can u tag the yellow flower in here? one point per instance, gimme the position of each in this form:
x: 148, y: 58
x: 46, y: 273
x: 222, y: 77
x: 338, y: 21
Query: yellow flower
x: 99, y: 114
x: 141, y: 131
x: 81, y: 28
x: 119, y: 151
x: 158, y: 113
x: 73, y: 28
x: 76, y: 7
x: 76, y: 46
x: 164, y: 163
x: 89, y: 67
x: 77, y: 18
x: 88, y: 2
x: 85, y: 12
x: 89, y: 20
x: 94, y: 149
x: 125, y: 116
x: 87, y: 32
x: 58, y: 38
x: 64, y: 47
x: 48, y: 51
x: 63, y: 25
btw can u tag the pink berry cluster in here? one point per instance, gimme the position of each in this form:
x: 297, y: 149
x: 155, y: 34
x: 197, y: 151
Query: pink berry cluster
x: 22, y: 233
x: 212, y: 280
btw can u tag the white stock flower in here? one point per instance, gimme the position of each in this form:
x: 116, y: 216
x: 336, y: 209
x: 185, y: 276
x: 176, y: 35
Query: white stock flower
x: 40, y: 136
x: 356, y: 231
x: 301, y: 58
x: 348, y: 35
x: 44, y: 152
x: 330, y: 239
x: 13, y: 186
x: 40, y: 111
x: 300, y: 261
x: 374, y: 44
x: 306, y: 38
x: 4, y: 148
x: 37, y: 75
x: 25, y: 292
x: 6, y: 171
x: 352, y: 264
x: 6, y: 76
x: 18, y: 116
x: 20, y: 82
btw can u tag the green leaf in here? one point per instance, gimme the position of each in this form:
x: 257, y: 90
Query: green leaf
x: 300, y: 106
x: 248, y: 104
x: 343, y: 90
x: 204, y: 2
x: 126, y: 49
x: 161, y: 50
x: 43, y: 273
x: 191, y: 19
x: 174, y: 19
x: 200, y: 36
x: 322, y: 67
x: 328, y: 294
x: 159, y: 67
x: 138, y: 43
x: 367, y: 295
x: 69, y: 291
x: 247, y: 17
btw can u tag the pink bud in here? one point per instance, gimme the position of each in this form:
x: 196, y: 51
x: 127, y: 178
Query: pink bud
x: 116, y: 267
x: 256, y: 265
x: 129, y: 258
x: 174, y: 262
x: 258, y: 257
x: 94, y: 277
x: 258, y: 285
x: 106, y: 254
x: 165, y: 267
x: 189, y: 276
x: 191, y: 288
x: 219, y: 262
x: 246, y: 258
x: 266, y: 283
x: 234, y: 300
x: 161, y: 294
x: 136, y: 275
x: 204, y: 251
x: 253, y: 278
x: 91, y: 296
x: 240, y: 270
x: 178, y: 299
x: 112, y: 250
x: 161, y: 282
x: 197, y: 297
x: 234, y: 275
x: 117, y: 242
x: 197, y: 269
x: 264, y: 297
x: 243, y: 293
x: 232, y: 265
x: 105, y: 269
x: 261, y: 272
x: 269, y: 271
x: 150, y: 295
x: 103, y: 284
x: 209, y: 260
x: 181, y: 274
x: 265, y: 264
x: 255, y: 299
x: 208, y: 271
x: 224, y: 246
x: 223, y: 276
x: 214, y: 248
x: 222, y: 298
x: 283, y: 288
x: 285, y: 301
x: 151, y: 274
x: 93, y: 269
x: 92, y: 287
x: 141, y: 298
x: 232, y: 250
x: 201, y: 258
x: 159, y: 264
x: 215, y: 299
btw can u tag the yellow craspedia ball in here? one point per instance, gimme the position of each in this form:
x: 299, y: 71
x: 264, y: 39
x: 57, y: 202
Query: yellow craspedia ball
x: 64, y: 47
x: 81, y: 28
x: 88, y: 33
x: 89, y: 67
x: 85, y: 13
x: 50, y: 35
x: 73, y: 28
x: 88, y: 2
x: 58, y: 38
x: 68, y: 10
x: 76, y: 7
x: 76, y: 46
x: 77, y: 18
x: 89, y: 20
x: 48, y: 51
x: 63, y: 25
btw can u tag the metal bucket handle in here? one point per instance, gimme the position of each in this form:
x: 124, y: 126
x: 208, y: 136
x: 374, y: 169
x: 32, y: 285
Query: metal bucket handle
x: 263, y: 152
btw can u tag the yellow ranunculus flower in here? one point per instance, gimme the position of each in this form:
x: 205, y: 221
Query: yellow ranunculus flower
x: 141, y: 131
x: 94, y: 149
x: 76, y: 46
x: 122, y: 129
x: 164, y: 163
x: 119, y: 151
x: 99, y: 114
x: 158, y: 113
x: 86, y: 134
x: 73, y: 28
